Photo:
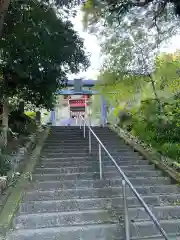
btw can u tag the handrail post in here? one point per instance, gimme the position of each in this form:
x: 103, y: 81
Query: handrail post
x: 89, y: 141
x: 100, y: 161
x: 126, y: 217
x: 84, y: 128
x: 80, y: 122
x: 76, y: 121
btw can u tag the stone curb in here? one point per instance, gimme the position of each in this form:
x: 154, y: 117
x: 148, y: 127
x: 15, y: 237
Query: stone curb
x: 157, y: 161
x: 15, y: 196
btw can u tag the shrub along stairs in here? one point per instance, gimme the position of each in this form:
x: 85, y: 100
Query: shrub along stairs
x: 67, y: 201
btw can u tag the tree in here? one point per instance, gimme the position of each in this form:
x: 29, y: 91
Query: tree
x: 129, y: 52
x: 129, y: 49
x: 123, y: 7
x: 4, y: 5
x: 168, y: 73
x: 38, y: 50
x: 117, y: 10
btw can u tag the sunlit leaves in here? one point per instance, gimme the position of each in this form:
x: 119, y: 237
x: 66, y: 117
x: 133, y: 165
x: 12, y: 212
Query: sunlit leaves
x: 167, y: 72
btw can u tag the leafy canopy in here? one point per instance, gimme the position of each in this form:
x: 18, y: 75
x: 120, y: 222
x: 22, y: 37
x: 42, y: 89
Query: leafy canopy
x: 38, y: 49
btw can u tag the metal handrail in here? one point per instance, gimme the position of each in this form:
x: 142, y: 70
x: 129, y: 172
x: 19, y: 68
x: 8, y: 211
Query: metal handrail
x: 124, y: 182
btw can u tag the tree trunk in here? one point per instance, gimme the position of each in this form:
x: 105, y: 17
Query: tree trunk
x: 21, y: 107
x: 155, y: 93
x: 4, y: 5
x: 5, y: 120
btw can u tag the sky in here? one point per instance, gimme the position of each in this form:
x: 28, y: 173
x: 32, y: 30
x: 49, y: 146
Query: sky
x: 92, y: 47
x: 173, y: 45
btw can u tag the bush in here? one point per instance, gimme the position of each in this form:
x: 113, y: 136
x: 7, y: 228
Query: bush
x: 159, y: 129
x: 171, y: 150
x: 4, y: 164
x: 31, y: 114
x: 21, y: 123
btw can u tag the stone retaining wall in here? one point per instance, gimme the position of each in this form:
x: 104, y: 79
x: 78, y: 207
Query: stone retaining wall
x: 18, y: 161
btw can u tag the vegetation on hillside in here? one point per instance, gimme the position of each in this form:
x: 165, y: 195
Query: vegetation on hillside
x: 152, y: 118
x: 145, y: 81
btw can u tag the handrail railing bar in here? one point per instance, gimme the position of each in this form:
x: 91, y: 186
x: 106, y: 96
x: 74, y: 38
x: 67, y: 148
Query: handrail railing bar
x: 154, y: 219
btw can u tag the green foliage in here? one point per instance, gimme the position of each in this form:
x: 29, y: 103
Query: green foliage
x: 171, y: 149
x: 152, y: 10
x: 168, y: 72
x: 21, y: 123
x: 38, y: 49
x: 143, y: 84
x: 31, y: 114
x: 140, y: 114
x: 160, y: 130
x: 4, y: 164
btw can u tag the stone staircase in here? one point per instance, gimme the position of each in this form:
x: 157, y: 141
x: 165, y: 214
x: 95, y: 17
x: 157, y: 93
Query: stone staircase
x: 67, y: 201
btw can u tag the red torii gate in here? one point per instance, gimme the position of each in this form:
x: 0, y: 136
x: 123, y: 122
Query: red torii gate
x: 78, y: 99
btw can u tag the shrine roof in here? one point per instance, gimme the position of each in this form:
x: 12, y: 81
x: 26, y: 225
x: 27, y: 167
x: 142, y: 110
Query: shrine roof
x: 72, y: 92
x: 85, y: 83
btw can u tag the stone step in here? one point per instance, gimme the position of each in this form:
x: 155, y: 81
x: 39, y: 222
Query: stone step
x: 97, y: 192
x: 67, y: 135
x: 160, y: 212
x: 83, y: 150
x: 140, y: 230
x: 98, y: 216
x: 79, y: 133
x: 72, y: 158
x: 94, y: 145
x: 84, y: 184
x: 80, y: 136
x: 63, y: 139
x: 83, y: 169
x: 61, y: 219
x: 90, y: 158
x: 64, y: 145
x: 67, y: 201
x: 148, y: 229
x: 87, y: 163
x: 94, y: 142
x: 80, y: 154
x: 85, y: 144
x: 95, y: 203
x: 157, y: 238
x: 93, y: 175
